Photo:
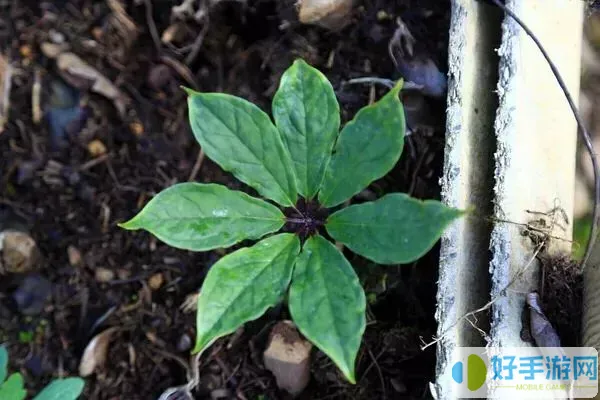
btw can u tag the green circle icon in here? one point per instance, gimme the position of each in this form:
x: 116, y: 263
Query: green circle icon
x: 476, y: 372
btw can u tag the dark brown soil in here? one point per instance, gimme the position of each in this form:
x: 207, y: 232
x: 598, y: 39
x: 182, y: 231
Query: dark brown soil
x: 562, y: 297
x: 53, y: 188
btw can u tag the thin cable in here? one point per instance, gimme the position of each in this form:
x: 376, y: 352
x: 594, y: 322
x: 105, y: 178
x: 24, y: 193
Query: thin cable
x: 585, y: 135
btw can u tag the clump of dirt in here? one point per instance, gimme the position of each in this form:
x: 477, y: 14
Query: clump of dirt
x: 562, y: 296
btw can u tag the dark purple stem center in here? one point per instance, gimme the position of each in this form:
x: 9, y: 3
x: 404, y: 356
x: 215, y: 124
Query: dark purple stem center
x: 306, y: 218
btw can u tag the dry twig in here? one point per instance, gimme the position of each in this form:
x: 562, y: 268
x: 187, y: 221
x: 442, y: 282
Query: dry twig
x: 197, y: 166
x: 6, y: 72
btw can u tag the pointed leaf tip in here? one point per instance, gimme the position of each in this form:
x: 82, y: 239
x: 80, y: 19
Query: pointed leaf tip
x: 307, y: 116
x: 398, y: 86
x: 241, y: 138
x: 298, y: 61
x: 241, y: 286
x: 327, y: 303
x: 395, y: 229
x: 128, y: 225
x: 188, y: 90
x: 200, y: 217
x: 367, y: 148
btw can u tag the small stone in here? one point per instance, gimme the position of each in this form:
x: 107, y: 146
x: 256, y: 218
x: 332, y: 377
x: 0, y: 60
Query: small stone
x: 56, y: 37
x: 156, y: 281
x: 288, y: 357
x: 154, y: 339
x: 71, y: 175
x: 34, y: 365
x: 96, y: 148
x: 398, y: 385
x: 184, y: 343
x: 331, y: 14
x: 214, y: 367
x: 218, y: 394
x: 104, y: 275
x: 74, y: 256
x: 123, y: 274
x: 382, y: 15
x: 85, y: 192
x: 136, y: 128
x: 211, y: 382
x: 19, y: 252
x: 25, y: 51
x: 32, y: 293
x: 26, y: 171
x: 97, y: 32
x: 159, y: 76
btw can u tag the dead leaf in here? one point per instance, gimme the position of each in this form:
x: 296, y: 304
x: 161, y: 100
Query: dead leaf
x: 52, y: 50
x: 83, y: 76
x: 330, y: 14
x: 94, y: 355
x: 124, y: 22
x: 125, y: 31
x: 36, y: 95
x: 174, y: 33
x: 190, y: 304
x: 402, y: 43
x: 74, y: 256
x: 542, y: 331
x: 104, y: 275
x: 414, y: 64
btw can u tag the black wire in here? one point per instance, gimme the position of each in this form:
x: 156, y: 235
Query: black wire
x: 585, y: 135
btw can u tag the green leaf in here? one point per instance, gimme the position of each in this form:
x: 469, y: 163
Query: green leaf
x: 3, y: 363
x: 241, y: 286
x: 327, y: 302
x: 307, y: 114
x: 201, y: 217
x: 241, y: 138
x: 13, y: 388
x: 368, y: 148
x: 62, y: 389
x: 582, y: 228
x: 395, y: 229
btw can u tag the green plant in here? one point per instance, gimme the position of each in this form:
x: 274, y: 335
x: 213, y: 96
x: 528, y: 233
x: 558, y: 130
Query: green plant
x: 307, y: 166
x: 13, y: 388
